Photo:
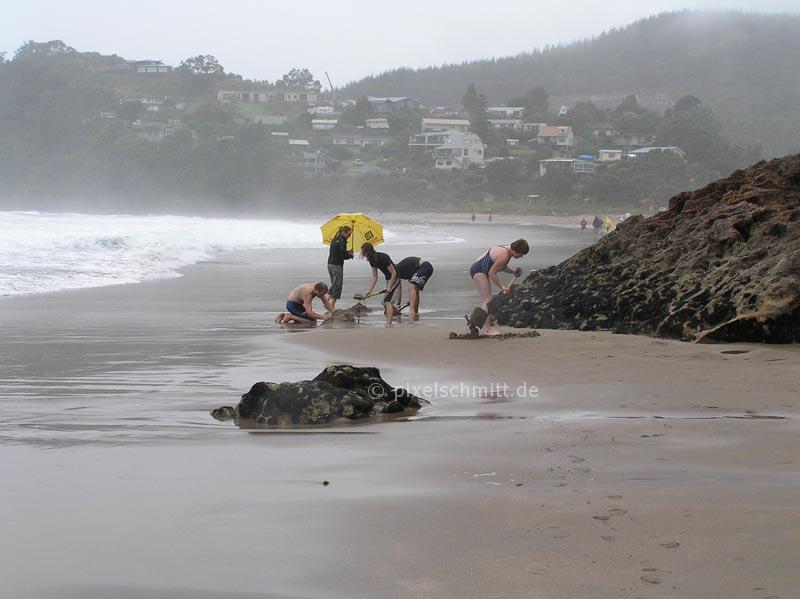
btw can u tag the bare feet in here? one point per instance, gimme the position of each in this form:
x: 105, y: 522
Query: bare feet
x: 280, y: 317
x: 492, y: 332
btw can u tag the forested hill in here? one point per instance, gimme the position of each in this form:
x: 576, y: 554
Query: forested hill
x: 746, y: 67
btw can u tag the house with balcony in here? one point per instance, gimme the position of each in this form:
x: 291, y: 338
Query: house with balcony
x: 274, y: 95
x: 565, y: 165
x: 509, y: 124
x: 556, y: 136
x: 428, y: 141
x: 461, y: 151
x: 435, y: 124
x: 505, y: 112
x: 143, y: 67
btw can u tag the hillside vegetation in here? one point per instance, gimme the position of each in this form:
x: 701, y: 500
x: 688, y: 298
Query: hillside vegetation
x: 746, y: 67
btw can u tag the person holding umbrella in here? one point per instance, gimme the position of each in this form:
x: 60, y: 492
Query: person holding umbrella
x: 336, y: 257
x: 343, y: 233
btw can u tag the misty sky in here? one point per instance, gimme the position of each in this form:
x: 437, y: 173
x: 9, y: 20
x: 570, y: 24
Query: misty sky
x: 349, y: 39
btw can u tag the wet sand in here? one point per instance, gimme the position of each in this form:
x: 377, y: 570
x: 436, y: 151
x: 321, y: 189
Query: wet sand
x: 642, y: 468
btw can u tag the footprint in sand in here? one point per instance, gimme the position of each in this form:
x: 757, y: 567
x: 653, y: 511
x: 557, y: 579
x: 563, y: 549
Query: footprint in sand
x: 614, y: 496
x: 576, y: 459
x: 670, y: 545
x: 609, y: 538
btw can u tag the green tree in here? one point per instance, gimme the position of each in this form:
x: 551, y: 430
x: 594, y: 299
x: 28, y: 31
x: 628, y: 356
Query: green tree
x: 536, y: 103
x: 301, y: 78
x: 31, y: 49
x: 202, y: 64
x: 470, y: 98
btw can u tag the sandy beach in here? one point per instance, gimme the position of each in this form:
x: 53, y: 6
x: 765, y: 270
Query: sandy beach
x: 568, y: 465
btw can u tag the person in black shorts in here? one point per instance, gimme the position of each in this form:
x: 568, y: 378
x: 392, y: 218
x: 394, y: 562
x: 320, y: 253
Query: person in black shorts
x: 383, y: 262
x: 417, y: 271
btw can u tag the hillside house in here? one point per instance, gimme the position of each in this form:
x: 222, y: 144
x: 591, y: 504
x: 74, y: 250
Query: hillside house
x: 510, y: 124
x: 428, y: 141
x: 505, y: 112
x: 377, y: 123
x: 460, y: 151
x: 143, y: 67
x: 610, y: 155
x: 556, y: 136
x: 632, y: 140
x: 323, y: 124
x: 383, y: 105
x: 432, y: 124
x: 358, y: 140
x: 659, y: 150
x: 275, y: 95
x: 551, y: 165
x: 150, y: 103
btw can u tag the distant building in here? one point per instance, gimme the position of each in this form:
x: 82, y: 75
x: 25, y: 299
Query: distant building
x: 659, y: 150
x: 431, y: 124
x: 448, y: 113
x: 358, y: 140
x: 512, y: 142
x: 321, y: 110
x: 459, y: 152
x: 377, y: 123
x: 143, y: 67
x: 323, y: 124
x: 505, y: 112
x: 610, y: 155
x: 565, y: 165
x: 632, y: 140
x: 557, y: 136
x: 429, y: 140
x: 382, y: 104
x: 313, y: 163
x: 513, y: 124
x: 150, y: 103
x: 275, y: 95
x: 299, y: 142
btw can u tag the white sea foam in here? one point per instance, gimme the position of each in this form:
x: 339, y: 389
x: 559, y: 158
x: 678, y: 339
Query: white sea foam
x: 42, y: 252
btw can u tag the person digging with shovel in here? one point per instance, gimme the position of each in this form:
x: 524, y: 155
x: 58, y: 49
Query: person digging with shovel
x: 485, y: 271
x: 383, y: 262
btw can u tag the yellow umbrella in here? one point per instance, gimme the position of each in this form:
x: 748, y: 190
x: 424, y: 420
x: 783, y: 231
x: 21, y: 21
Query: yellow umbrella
x: 364, y: 229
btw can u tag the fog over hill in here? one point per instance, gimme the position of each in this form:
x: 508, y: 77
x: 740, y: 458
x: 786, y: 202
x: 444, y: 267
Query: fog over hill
x: 746, y: 67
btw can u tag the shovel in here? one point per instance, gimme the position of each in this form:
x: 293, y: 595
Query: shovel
x: 361, y: 296
x: 477, y: 319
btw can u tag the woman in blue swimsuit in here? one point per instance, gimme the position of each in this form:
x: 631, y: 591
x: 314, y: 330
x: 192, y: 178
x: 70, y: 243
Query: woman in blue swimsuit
x: 486, y: 269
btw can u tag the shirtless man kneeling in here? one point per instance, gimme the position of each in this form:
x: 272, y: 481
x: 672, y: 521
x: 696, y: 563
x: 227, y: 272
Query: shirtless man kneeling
x: 299, y: 304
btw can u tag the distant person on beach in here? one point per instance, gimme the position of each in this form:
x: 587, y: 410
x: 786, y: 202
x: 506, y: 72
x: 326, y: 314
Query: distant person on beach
x: 417, y: 271
x: 597, y: 225
x: 472, y: 218
x: 299, y: 308
x: 486, y: 270
x: 608, y: 224
x: 383, y: 262
x: 584, y: 222
x: 336, y: 257
x: 489, y: 213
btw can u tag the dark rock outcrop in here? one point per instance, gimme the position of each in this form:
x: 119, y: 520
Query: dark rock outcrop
x: 339, y: 391
x: 721, y: 264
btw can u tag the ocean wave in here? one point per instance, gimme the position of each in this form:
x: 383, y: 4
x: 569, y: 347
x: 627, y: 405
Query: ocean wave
x: 43, y: 252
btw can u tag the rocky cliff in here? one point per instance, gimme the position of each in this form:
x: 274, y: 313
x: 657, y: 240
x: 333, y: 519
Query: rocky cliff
x: 721, y: 264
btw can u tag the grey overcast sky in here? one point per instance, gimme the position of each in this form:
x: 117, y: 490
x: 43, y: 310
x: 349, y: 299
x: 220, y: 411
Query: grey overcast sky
x: 348, y: 38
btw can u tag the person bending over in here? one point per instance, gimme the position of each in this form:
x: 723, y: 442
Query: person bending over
x: 381, y: 261
x: 417, y: 271
x: 299, y: 308
x: 486, y: 270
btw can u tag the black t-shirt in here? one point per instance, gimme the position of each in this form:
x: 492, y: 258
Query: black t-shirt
x: 338, y: 253
x: 407, y: 267
x: 382, y: 262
